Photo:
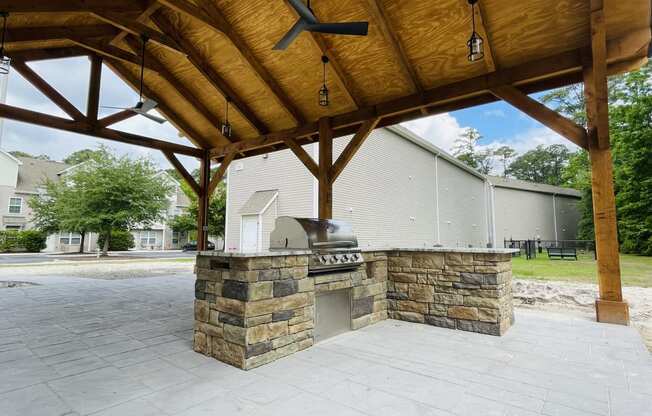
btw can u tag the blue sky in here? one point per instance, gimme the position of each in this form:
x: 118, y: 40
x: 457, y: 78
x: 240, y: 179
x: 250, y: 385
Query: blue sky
x: 498, y: 122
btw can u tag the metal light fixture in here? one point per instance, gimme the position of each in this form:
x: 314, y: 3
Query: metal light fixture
x: 323, y: 91
x: 475, y: 43
x: 226, y: 127
x: 5, y: 61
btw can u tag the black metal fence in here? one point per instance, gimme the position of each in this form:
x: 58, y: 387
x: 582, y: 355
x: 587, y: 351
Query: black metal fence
x: 530, y: 248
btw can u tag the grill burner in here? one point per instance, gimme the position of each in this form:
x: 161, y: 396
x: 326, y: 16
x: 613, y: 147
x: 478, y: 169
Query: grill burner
x: 334, y: 246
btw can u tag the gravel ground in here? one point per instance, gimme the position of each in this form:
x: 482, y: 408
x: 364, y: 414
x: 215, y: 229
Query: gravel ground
x: 101, y: 270
x: 580, y: 298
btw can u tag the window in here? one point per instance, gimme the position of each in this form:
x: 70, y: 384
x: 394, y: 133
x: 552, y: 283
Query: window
x: 13, y: 227
x: 15, y: 205
x: 148, y: 238
x: 175, y: 237
x: 70, y: 238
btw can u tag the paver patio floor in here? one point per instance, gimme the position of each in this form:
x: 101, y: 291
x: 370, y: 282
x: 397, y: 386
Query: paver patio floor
x: 122, y: 347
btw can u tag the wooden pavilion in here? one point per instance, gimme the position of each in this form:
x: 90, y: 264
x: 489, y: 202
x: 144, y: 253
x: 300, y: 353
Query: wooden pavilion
x: 202, y: 54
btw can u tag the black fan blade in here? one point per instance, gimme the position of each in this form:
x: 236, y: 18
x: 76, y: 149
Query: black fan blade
x: 303, y: 11
x: 289, y: 37
x: 351, y: 28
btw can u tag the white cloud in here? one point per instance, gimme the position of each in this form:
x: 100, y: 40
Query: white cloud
x: 442, y: 129
x: 495, y: 113
x: 532, y: 138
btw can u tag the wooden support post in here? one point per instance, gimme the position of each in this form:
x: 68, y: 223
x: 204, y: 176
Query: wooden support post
x: 610, y: 307
x: 325, y: 163
x: 220, y: 172
x: 352, y: 148
x: 93, y: 102
x: 203, y: 197
x: 183, y: 172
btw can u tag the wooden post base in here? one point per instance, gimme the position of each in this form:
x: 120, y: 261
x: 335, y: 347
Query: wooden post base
x: 612, y: 312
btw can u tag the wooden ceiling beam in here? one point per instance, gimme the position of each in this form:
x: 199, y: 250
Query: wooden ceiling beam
x: 338, y: 73
x: 561, y: 65
x: 208, y: 14
x: 40, y: 54
x: 303, y: 157
x: 183, y: 172
x: 220, y: 172
x: 112, y: 52
x: 194, y: 56
x: 93, y: 101
x: 169, y: 113
x: 352, y: 147
x: 47, y: 90
x: 67, y: 6
x: 179, y: 86
x: 151, y: 8
x: 46, y: 33
x: 379, y: 14
x: 134, y: 27
x: 82, y: 127
x: 553, y: 120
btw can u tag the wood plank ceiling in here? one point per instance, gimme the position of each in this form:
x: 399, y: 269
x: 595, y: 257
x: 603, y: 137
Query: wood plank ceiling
x: 413, y: 63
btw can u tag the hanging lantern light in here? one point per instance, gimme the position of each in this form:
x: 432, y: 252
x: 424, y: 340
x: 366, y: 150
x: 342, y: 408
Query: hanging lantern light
x: 226, y: 127
x: 5, y: 61
x: 475, y: 43
x: 323, y: 91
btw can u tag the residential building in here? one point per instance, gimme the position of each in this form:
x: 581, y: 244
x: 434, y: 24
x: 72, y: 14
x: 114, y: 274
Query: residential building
x: 398, y: 190
x: 21, y: 178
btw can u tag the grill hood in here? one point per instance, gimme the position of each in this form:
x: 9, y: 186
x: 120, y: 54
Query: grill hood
x: 311, y: 234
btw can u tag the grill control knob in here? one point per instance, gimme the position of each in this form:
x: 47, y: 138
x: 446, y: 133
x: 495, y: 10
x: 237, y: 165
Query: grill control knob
x: 345, y: 258
x: 354, y: 257
x: 323, y: 259
x: 333, y: 259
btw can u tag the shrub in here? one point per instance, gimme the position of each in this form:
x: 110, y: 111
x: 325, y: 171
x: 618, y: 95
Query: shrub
x: 121, y: 240
x: 32, y: 241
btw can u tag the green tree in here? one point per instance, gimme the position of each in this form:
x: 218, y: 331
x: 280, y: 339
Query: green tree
x: 505, y: 154
x: 81, y: 156
x: 109, y: 193
x: 465, y: 147
x: 20, y: 153
x: 542, y: 164
x: 216, y: 212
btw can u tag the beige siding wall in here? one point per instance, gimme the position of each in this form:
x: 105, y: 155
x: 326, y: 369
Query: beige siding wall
x: 387, y: 192
x: 568, y: 216
x: 462, y: 207
x: 523, y: 215
x: 279, y: 170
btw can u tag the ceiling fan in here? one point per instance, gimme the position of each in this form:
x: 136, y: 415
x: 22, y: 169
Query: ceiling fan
x: 143, y: 106
x: 308, y: 22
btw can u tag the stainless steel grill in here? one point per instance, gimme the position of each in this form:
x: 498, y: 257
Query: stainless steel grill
x: 332, y: 242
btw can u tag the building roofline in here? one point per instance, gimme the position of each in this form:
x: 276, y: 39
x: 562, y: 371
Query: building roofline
x: 12, y: 157
x: 518, y: 184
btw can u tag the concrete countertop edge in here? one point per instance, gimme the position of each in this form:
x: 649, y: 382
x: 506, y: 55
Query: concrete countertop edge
x: 476, y: 250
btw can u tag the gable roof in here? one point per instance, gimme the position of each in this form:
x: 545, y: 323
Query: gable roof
x: 32, y: 173
x: 11, y: 157
x: 258, y: 202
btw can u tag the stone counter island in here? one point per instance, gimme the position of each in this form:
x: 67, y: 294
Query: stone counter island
x: 252, y: 309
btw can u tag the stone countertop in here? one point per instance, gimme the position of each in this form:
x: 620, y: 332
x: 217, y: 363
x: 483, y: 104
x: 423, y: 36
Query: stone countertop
x: 365, y: 249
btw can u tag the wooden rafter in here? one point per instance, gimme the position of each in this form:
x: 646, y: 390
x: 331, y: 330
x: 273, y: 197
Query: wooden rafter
x: 46, y: 33
x: 61, y: 6
x: 379, y: 14
x: 116, y: 118
x: 152, y: 7
x: 110, y: 51
x: 47, y: 90
x: 338, y: 73
x: 553, y: 120
x: 179, y: 86
x: 136, y: 28
x: 40, y: 54
x: 352, y: 148
x: 208, y: 14
x: 194, y: 56
x: 303, y: 157
x: 93, y: 102
x: 561, y: 66
x: 220, y: 172
x: 325, y: 199
x: 183, y: 172
x: 162, y: 107
x: 82, y: 127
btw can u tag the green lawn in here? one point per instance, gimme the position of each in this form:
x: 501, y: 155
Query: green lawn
x: 636, y: 270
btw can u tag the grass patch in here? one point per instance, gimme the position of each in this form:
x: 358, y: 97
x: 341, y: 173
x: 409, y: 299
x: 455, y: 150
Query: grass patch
x: 636, y: 270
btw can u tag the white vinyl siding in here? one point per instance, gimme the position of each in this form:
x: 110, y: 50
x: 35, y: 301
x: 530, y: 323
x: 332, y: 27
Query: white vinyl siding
x: 15, y: 205
x: 523, y: 215
x: 281, y: 171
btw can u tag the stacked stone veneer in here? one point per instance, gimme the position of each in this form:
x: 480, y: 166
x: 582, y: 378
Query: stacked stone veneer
x: 467, y: 291
x: 250, y: 311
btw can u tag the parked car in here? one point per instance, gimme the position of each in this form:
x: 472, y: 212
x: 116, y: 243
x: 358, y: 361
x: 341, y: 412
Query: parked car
x: 192, y: 246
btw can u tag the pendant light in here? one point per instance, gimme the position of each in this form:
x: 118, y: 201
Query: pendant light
x: 475, y: 43
x: 226, y: 127
x: 5, y: 61
x: 323, y: 91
